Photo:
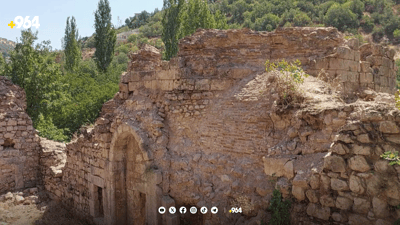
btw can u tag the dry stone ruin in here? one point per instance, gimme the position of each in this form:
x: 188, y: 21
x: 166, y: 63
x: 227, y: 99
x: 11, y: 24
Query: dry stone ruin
x: 203, y: 130
x: 19, y: 143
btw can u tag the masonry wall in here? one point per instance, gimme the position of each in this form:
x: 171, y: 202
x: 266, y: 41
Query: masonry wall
x: 201, y: 130
x: 19, y: 143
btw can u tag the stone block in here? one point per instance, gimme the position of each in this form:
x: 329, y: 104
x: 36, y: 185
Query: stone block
x: 339, y: 185
x: 365, y: 66
x: 351, y: 65
x: 380, y: 207
x: 167, y: 74
x: 344, y: 203
x: 366, y: 78
x: 361, y: 149
x: 358, y: 163
x: 388, y: 127
x: 374, y: 60
x: 135, y: 85
x: 355, y: 219
x: 298, y: 193
x: 312, y: 196
x: 334, y: 163
x: 344, y: 52
x: 361, y: 205
x: 202, y: 85
x: 336, y: 64
x: 356, y: 184
x: 322, y: 64
x: 220, y: 85
x: 327, y: 200
x: 278, y: 167
x: 319, y: 212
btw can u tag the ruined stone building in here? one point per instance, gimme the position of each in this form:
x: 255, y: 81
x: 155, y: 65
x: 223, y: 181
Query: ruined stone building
x: 203, y: 130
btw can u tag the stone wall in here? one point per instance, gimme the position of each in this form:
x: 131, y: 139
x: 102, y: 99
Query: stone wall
x: 19, y: 144
x: 201, y: 130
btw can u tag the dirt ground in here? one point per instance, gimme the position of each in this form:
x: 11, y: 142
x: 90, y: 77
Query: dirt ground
x: 40, y: 211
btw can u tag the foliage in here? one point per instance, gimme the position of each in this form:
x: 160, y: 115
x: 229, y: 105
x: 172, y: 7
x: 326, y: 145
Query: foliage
x: 29, y: 69
x: 132, y: 38
x: 367, y: 24
x: 105, y: 36
x: 71, y: 49
x: 280, y: 210
x: 290, y: 76
x: 392, y: 157
x: 138, y: 20
x: 153, y: 30
x: 89, y: 42
x: 171, y: 24
x: 195, y: 14
x: 301, y: 20
x: 396, y: 33
x: 340, y: 17
x: 268, y: 22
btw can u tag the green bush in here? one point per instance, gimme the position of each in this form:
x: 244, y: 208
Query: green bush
x: 133, y: 38
x: 378, y: 33
x: 280, y: 210
x: 341, y: 17
x: 301, y: 20
x: 367, y: 24
x: 288, y: 79
x: 123, y: 49
x: 396, y: 33
x: 268, y: 22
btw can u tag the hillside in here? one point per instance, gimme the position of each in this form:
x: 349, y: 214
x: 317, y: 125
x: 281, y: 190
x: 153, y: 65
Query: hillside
x: 6, y: 46
x: 376, y: 17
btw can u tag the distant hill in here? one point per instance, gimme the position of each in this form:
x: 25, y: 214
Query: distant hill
x: 6, y: 46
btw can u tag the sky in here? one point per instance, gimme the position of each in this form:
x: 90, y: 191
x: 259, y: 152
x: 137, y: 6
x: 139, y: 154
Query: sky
x: 53, y: 15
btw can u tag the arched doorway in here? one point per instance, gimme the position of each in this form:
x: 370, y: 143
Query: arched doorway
x: 130, y: 204
x: 132, y: 191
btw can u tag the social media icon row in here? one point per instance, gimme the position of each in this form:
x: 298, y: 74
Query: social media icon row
x: 182, y: 210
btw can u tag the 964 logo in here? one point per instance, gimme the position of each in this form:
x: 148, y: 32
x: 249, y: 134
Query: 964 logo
x: 26, y: 23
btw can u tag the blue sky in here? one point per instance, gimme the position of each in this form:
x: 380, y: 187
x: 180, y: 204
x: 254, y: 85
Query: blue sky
x: 53, y: 15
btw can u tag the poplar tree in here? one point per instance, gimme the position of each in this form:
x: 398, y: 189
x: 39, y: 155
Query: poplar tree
x: 171, y: 26
x: 106, y: 37
x: 71, y: 48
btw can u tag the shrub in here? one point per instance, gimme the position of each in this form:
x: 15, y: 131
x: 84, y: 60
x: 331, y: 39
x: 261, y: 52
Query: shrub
x: 290, y: 76
x: 268, y: 22
x: 367, y: 24
x: 132, y: 38
x: 378, y: 33
x: 341, y: 17
x: 301, y: 20
x: 396, y: 33
x: 280, y: 210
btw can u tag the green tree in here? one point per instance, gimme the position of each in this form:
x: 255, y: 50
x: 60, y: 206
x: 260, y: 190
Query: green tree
x: 195, y: 15
x: 171, y: 24
x: 105, y: 36
x: 301, y: 20
x: 71, y: 48
x: 357, y: 7
x: 268, y: 22
x: 396, y: 34
x: 341, y: 17
x: 30, y: 71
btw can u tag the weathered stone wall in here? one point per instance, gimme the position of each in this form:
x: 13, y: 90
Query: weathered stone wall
x: 52, y: 161
x: 19, y: 144
x: 202, y: 130
x: 213, y: 60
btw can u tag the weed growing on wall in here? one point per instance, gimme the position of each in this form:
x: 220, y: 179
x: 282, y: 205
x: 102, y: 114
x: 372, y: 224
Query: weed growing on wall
x: 280, y: 210
x: 288, y: 77
x: 392, y: 157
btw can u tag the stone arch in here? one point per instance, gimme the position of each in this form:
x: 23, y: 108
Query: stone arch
x: 132, y: 192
